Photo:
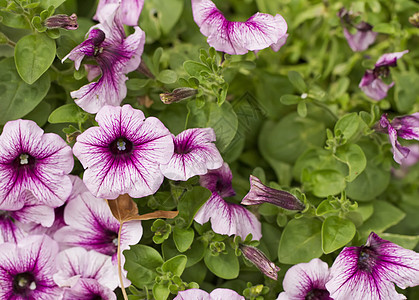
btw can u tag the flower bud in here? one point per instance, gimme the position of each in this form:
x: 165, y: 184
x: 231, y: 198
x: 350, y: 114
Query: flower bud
x: 177, y: 95
x: 62, y: 21
x: 256, y: 257
x: 414, y: 20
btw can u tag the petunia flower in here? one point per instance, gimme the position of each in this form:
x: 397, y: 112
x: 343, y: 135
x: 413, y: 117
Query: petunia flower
x: 226, y: 217
x: 130, y: 10
x: 194, y: 154
x: 26, y: 269
x: 33, y: 162
x: 371, y: 83
x: 260, y: 193
x: 406, y: 127
x: 217, y: 294
x: 91, y: 225
x: 77, y: 263
x: 258, y: 32
x: 123, y: 154
x: 259, y: 259
x: 115, y: 55
x: 88, y: 289
x: 306, y: 281
x: 369, y: 272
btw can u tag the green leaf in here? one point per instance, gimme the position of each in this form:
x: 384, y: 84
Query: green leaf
x: 336, y: 233
x: 34, y: 54
x: 169, y: 13
x: 405, y: 241
x: 14, y: 20
x: 17, y: 97
x: 68, y: 113
x: 406, y: 92
x: 47, y: 3
x: 194, y: 254
x: 167, y: 76
x: 348, y: 125
x: 327, y: 182
x: 161, y: 291
x: 300, y: 241
x: 194, y: 68
x: 384, y: 28
x: 225, y: 266
x: 183, y: 238
x: 136, y: 84
x: 297, y: 81
x: 325, y: 207
x: 141, y: 262
x: 302, y: 109
x: 176, y: 265
x: 353, y: 156
x: 290, y: 99
x: 191, y: 202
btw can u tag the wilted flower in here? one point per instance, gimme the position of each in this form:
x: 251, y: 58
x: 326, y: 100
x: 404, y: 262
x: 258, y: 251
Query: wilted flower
x: 62, y: 21
x: 26, y: 269
x: 258, y: 32
x: 369, y: 272
x: 194, y: 154
x: 364, y: 35
x: 258, y: 258
x: 33, y: 162
x: 306, y: 281
x: 371, y: 84
x: 226, y: 218
x: 87, y: 289
x: 115, y: 55
x: 406, y: 127
x: 130, y: 10
x: 260, y: 193
x: 177, y: 95
x: 123, y: 154
x: 217, y: 294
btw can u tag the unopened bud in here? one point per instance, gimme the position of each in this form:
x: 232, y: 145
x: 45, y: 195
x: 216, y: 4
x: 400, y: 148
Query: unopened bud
x: 177, y: 95
x: 414, y: 20
x: 258, y: 258
x: 62, y: 21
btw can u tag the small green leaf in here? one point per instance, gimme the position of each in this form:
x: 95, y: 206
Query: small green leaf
x: 191, y: 202
x: 34, y: 54
x: 194, y: 68
x: 327, y: 182
x: 176, y: 265
x: 47, y: 3
x: 384, y: 28
x: 325, y: 207
x: 183, y: 238
x: 348, y: 125
x: 302, y: 109
x: 405, y: 241
x: 353, y: 156
x: 167, y: 76
x: 224, y: 265
x: 297, y: 81
x: 336, y: 233
x: 290, y: 99
x: 68, y: 113
x: 161, y: 291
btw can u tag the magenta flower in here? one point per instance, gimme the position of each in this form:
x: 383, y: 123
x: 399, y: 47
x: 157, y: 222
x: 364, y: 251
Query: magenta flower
x: 123, y: 154
x: 369, y: 272
x: 371, y: 84
x: 88, y: 289
x: 406, y: 127
x: 26, y: 269
x: 76, y: 263
x: 260, y: 193
x: 115, y: 55
x: 217, y: 294
x: 226, y: 218
x: 306, y: 281
x: 258, y: 32
x: 33, y: 162
x: 91, y: 225
x: 194, y: 154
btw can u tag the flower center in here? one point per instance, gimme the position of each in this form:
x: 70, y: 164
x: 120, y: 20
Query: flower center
x: 121, y: 146
x: 381, y: 71
x: 24, y: 283
x: 317, y: 294
x: 24, y: 160
x: 366, y: 259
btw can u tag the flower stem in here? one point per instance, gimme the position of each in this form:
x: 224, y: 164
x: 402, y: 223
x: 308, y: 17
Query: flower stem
x: 124, y: 293
x: 326, y: 108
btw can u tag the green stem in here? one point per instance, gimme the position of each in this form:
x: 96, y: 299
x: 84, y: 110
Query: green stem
x: 326, y: 108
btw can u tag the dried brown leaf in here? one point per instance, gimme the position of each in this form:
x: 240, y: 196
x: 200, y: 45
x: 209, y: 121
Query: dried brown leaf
x: 123, y: 208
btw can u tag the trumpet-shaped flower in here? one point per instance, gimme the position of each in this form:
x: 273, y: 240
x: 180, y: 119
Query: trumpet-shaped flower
x: 91, y: 225
x: 123, y: 154
x: 371, y: 84
x: 26, y: 269
x: 369, y: 272
x: 258, y: 32
x: 226, y: 218
x: 306, y: 281
x: 35, y: 163
x: 130, y: 10
x: 115, y: 55
x: 194, y: 154
x: 88, y: 289
x: 406, y: 127
x: 217, y: 294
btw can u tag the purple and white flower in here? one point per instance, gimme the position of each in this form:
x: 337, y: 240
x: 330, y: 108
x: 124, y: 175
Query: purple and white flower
x: 35, y: 163
x: 371, y: 83
x: 406, y: 127
x: 306, y: 281
x: 369, y: 272
x: 123, y: 154
x: 26, y: 269
x: 88, y: 289
x: 260, y: 193
x: 258, y: 32
x: 194, y: 154
x: 91, y: 225
x: 226, y: 218
x: 115, y: 55
x: 130, y: 10
x: 217, y: 294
